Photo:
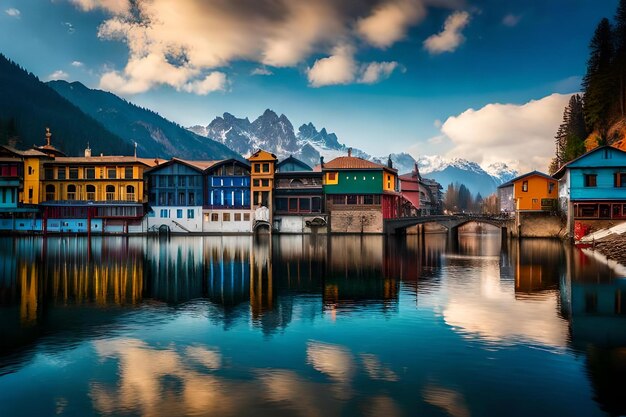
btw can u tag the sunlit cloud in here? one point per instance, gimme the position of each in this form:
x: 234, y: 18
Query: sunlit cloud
x: 13, y: 12
x: 261, y: 71
x: 449, y: 39
x: 58, y: 75
x: 339, y: 68
x: 389, y: 21
x: 376, y: 71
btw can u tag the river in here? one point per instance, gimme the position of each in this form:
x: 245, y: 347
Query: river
x: 309, y: 326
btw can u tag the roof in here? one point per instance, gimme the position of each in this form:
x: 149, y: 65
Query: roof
x: 561, y: 171
x: 294, y: 161
x: 201, y: 165
x: 105, y: 159
x: 27, y: 152
x: 528, y: 174
x: 354, y: 162
x: 262, y: 155
x: 49, y: 149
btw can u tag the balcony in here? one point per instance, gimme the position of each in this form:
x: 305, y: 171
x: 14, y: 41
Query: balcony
x: 91, y: 196
x: 130, y: 196
x: 110, y: 196
x: 71, y: 196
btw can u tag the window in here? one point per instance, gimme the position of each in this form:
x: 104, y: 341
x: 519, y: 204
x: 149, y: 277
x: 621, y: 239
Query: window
x: 215, y: 217
x: 61, y: 173
x: 281, y: 204
x: 110, y: 193
x: 206, y: 217
x: 190, y: 213
x: 50, y: 193
x: 128, y: 172
x: 316, y: 204
x: 293, y: 204
x: 91, y: 192
x: 605, y: 211
x: 90, y: 173
x: 266, y: 167
x: 305, y: 205
x: 332, y: 176
x: 257, y: 167
x: 181, y: 198
x: 256, y: 183
x: 164, y: 213
x: 111, y: 172
x: 591, y: 180
x: 368, y: 200
x: 71, y: 192
x: 170, y: 181
x: 226, y: 217
x: 192, y: 199
x: 551, y: 187
x: 130, y: 193
x: 246, y: 217
x: 617, y: 210
x: 237, y: 217
x: 179, y: 214
x: 265, y: 183
x: 588, y: 210
x: 182, y: 181
x: 619, y: 179
x: 525, y: 186
x: 73, y: 173
x: 30, y: 170
x: 48, y: 173
x: 352, y: 199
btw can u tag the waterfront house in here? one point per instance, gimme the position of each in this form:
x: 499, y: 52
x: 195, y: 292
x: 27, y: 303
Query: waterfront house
x: 298, y: 197
x: 592, y: 189
x: 32, y: 163
x: 506, y: 201
x: 227, y: 208
x: 531, y: 192
x: 93, y: 193
x: 422, y: 195
x: 176, y: 195
x: 360, y: 194
x: 262, y: 170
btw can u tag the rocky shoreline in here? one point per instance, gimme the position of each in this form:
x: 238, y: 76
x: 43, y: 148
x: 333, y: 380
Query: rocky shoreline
x: 613, y: 247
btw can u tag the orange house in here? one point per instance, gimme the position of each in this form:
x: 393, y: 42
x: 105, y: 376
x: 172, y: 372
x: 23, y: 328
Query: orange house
x: 535, y: 191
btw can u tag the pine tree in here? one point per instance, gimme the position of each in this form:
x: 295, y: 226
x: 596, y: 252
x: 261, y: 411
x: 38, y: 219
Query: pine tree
x: 598, y: 82
x: 620, y: 55
x: 570, y: 137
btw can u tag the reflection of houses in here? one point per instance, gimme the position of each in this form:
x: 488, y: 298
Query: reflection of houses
x: 423, y: 194
x: 93, y: 194
x: 593, y: 188
x: 537, y: 266
x: 360, y: 194
x: 298, y: 198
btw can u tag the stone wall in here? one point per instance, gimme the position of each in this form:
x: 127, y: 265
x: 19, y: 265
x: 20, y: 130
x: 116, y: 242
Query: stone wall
x: 297, y: 223
x: 538, y: 224
x: 356, y: 221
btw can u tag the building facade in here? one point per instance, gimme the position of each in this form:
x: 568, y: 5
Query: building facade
x: 262, y: 168
x: 228, y: 205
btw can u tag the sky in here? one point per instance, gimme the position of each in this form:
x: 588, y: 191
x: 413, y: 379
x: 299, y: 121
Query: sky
x: 485, y: 80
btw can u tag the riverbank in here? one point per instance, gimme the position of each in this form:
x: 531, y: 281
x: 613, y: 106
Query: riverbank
x: 613, y: 247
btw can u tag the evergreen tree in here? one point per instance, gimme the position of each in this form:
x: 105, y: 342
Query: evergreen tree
x: 598, y: 82
x: 620, y: 55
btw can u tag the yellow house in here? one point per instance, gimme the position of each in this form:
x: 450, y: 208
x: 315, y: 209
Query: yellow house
x: 33, y: 160
x: 535, y: 191
x: 262, y: 165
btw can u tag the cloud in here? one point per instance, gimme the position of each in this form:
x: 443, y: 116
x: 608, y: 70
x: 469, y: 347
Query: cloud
x: 215, y: 81
x: 520, y: 135
x: 339, y: 68
x: 261, y: 71
x: 198, y: 36
x: 13, y: 12
x: 377, y: 71
x: 77, y: 64
x: 389, y: 21
x: 511, y: 20
x: 58, y: 75
x: 450, y: 37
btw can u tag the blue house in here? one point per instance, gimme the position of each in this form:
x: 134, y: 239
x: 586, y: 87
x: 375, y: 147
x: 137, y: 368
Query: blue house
x: 592, y: 187
x: 227, y: 207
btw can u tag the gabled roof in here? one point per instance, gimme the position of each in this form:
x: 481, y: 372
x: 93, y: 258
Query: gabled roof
x: 528, y: 174
x: 103, y: 159
x: 295, y: 161
x: 236, y: 161
x: 262, y: 155
x: 199, y: 166
x: 354, y: 162
x: 27, y: 152
x: 561, y: 171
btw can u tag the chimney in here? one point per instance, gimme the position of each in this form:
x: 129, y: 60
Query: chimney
x: 321, y: 161
x: 389, y: 162
x: 349, y: 151
x: 87, y: 151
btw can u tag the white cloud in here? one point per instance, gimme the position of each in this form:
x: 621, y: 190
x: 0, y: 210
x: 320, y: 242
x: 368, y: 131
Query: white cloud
x: 511, y: 20
x: 112, y: 6
x: 261, y: 71
x: 450, y: 37
x: 58, y: 75
x: 77, y: 64
x: 519, y: 135
x: 215, y: 81
x: 377, y: 71
x: 13, y: 12
x: 388, y: 23
x: 339, y: 68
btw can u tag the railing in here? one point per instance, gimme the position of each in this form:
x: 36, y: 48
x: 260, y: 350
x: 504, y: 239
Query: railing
x: 130, y: 196
x: 110, y: 196
x: 71, y: 196
x: 91, y: 196
x: 50, y: 196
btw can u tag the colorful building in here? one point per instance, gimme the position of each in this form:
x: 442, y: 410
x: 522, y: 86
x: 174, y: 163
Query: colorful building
x: 262, y: 167
x: 422, y: 196
x: 228, y: 206
x: 592, y: 188
x: 533, y: 191
x: 298, y: 198
x: 360, y: 194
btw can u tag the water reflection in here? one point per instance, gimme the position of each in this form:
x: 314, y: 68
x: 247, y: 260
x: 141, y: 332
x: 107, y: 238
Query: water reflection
x: 347, y: 324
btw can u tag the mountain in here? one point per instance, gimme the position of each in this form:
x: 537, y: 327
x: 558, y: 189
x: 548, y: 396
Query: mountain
x: 458, y: 170
x: 155, y: 135
x: 275, y: 134
x: 28, y: 106
x: 403, y: 162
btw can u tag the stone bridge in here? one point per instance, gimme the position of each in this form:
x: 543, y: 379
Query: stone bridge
x: 452, y: 222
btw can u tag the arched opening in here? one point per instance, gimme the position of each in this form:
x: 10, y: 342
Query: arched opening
x: 110, y: 192
x: 130, y: 193
x: 50, y: 192
x: 91, y: 192
x: 71, y: 192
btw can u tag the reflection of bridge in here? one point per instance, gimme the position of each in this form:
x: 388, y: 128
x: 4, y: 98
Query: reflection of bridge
x: 452, y: 223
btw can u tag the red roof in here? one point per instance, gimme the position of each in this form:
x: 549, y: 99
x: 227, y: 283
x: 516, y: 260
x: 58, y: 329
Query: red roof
x: 353, y: 162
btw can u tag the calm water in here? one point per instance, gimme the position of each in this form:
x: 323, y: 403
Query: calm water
x: 308, y: 326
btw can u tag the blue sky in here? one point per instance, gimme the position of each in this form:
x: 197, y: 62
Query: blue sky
x: 385, y: 75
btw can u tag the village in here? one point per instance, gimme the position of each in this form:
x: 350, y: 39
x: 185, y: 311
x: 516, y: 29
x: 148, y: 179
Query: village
x: 45, y: 191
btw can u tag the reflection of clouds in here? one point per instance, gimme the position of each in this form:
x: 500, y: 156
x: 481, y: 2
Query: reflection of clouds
x: 382, y: 406
x: 450, y: 401
x: 158, y: 382
x: 209, y: 358
x: 377, y: 370
x: 335, y: 361
x: 491, y: 311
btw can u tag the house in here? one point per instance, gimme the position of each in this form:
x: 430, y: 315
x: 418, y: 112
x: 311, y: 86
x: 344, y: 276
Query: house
x: 32, y: 169
x: 360, y: 194
x: 298, y: 198
x: 227, y: 208
x: 423, y: 195
x: 262, y: 165
x: 533, y: 191
x: 592, y: 189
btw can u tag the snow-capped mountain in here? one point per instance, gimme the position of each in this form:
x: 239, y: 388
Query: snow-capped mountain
x: 501, y: 172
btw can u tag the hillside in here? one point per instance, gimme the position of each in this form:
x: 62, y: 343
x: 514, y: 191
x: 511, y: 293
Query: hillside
x: 155, y: 135
x: 28, y: 106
